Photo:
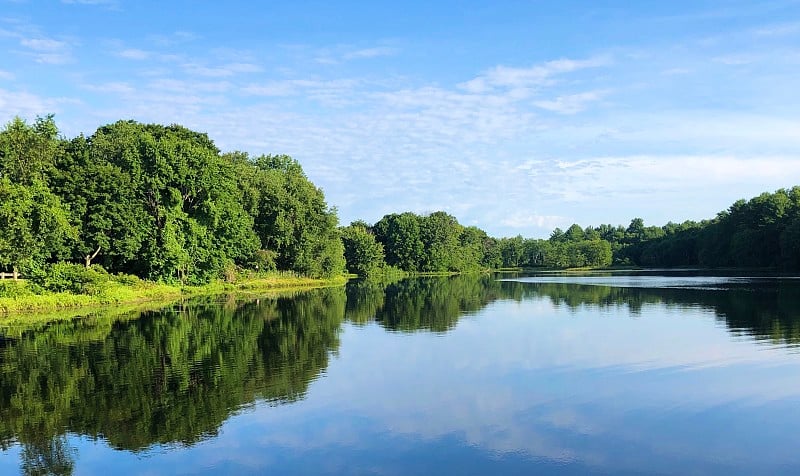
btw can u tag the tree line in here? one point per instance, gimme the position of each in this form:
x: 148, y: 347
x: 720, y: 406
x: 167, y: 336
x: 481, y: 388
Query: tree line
x: 761, y: 232
x: 438, y: 243
x: 164, y: 203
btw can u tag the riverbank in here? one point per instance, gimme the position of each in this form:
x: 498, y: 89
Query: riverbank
x: 20, y: 297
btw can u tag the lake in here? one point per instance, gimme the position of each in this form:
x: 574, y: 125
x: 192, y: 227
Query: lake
x: 601, y: 373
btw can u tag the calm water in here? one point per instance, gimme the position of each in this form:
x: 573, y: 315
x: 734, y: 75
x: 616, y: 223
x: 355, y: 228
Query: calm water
x: 604, y: 374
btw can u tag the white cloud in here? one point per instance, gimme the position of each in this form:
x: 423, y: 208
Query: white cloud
x: 47, y: 50
x: 134, y: 54
x: 342, y: 53
x: 777, y: 30
x: 43, y: 44
x: 571, y: 103
x: 371, y: 52
x: 532, y: 220
x: 676, y: 71
x: 226, y: 70
x: 28, y: 105
x: 532, y: 77
x: 736, y: 59
x: 5, y: 75
x: 112, y: 87
x: 175, y: 38
x: 317, y: 89
x: 90, y: 2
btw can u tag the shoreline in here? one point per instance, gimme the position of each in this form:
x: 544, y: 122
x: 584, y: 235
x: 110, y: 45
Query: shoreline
x: 151, y: 292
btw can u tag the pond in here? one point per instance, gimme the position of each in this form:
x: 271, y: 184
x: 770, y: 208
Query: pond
x: 601, y: 373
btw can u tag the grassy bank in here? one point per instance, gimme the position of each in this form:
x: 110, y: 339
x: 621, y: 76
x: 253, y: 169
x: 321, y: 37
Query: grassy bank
x: 21, y: 296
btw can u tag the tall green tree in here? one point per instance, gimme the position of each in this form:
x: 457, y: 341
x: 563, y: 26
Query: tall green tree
x: 34, y: 225
x: 190, y: 194
x: 291, y: 216
x: 363, y: 255
x: 401, y: 239
x: 27, y: 151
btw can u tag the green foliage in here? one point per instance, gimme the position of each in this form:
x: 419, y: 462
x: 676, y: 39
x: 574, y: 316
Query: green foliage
x: 400, y: 236
x: 161, y: 202
x: 15, y: 289
x: 194, y: 223
x: 434, y: 243
x: 440, y: 235
x: 34, y: 225
x: 290, y: 215
x: 26, y: 151
x: 73, y: 278
x: 363, y: 255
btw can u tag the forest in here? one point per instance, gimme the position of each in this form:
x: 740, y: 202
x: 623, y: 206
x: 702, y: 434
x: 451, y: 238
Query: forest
x: 163, y: 203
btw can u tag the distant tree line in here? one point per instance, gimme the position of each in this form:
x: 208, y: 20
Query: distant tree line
x: 762, y: 232
x: 438, y: 243
x: 160, y: 202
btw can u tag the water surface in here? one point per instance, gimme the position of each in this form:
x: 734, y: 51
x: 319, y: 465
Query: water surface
x: 666, y: 373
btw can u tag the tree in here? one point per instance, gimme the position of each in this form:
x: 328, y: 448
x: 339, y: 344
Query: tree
x: 575, y: 233
x: 440, y: 233
x: 400, y: 236
x: 189, y: 193
x: 34, y: 225
x: 363, y: 255
x: 26, y: 152
x: 104, y: 206
x: 291, y: 217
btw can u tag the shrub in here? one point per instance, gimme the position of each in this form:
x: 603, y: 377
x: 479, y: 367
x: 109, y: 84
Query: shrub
x: 73, y: 278
x: 14, y: 289
x: 127, y: 279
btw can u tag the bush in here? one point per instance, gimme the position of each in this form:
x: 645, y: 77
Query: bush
x: 14, y: 289
x: 73, y: 278
x: 127, y: 279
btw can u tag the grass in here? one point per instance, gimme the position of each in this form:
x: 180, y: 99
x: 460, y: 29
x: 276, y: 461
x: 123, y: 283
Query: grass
x: 133, y: 291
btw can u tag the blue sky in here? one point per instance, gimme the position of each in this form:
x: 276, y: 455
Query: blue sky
x: 515, y: 116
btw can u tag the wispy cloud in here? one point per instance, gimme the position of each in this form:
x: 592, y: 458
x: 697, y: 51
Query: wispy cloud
x: 174, y: 38
x: 343, y: 53
x: 736, y: 59
x: 221, y: 71
x: 47, y: 50
x: 90, y: 2
x: 777, y: 30
x: 532, y: 220
x: 6, y: 76
x: 134, y: 54
x: 112, y: 87
x: 531, y: 77
x: 28, y: 105
x: 330, y: 92
x: 370, y: 53
x: 571, y: 103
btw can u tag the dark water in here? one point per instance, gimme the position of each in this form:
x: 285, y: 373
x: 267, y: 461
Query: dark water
x: 603, y: 374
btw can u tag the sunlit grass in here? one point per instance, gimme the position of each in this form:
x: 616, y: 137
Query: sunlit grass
x: 132, y: 291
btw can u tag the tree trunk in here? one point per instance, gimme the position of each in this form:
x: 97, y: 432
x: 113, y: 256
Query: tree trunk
x: 89, y: 258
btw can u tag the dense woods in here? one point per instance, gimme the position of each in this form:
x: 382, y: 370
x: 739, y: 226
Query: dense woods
x: 163, y: 203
